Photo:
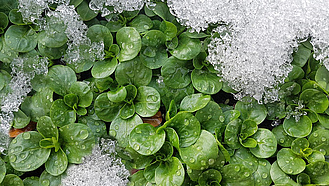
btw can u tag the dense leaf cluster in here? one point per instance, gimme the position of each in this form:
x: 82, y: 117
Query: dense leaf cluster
x: 153, y: 64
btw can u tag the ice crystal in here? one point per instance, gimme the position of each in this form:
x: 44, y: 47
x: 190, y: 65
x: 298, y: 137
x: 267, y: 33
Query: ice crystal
x: 257, y: 38
x: 23, y: 71
x: 32, y: 9
x: 102, y: 168
x: 117, y: 6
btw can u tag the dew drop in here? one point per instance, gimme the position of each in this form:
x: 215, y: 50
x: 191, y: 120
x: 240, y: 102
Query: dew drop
x: 136, y: 147
x: 113, y: 133
x: 26, y: 135
x: 264, y: 175
x: 12, y: 158
x: 211, y: 161
x: 246, y: 174
x: 237, y: 168
x: 83, y: 134
x: 45, y: 182
x: 192, y: 160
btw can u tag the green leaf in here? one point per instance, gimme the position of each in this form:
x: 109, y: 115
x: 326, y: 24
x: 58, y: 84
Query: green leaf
x: 146, y: 140
x: 50, y: 180
x: 130, y: 43
x: 236, y: 175
x: 41, y: 103
x: 322, y: 77
x: 127, y: 111
x: 298, y: 129
x: 299, y: 145
x: 147, y: 101
x: 60, y: 78
x: 100, y: 33
x: 12, y: 180
x: 248, y: 142
x: 61, y: 114
x: 244, y: 157
x: 295, y: 74
x: 319, y: 140
x: 301, y: 56
x: 210, y: 177
x: 57, y: 162
x: 24, y: 152
x: 279, y: 177
x: 289, y: 162
x: 315, y: 156
x: 131, y: 93
x: 121, y: 128
x: 31, y: 181
x: 84, y: 93
x: 176, y: 73
x: 262, y: 175
x: 248, y: 128
x: 20, y: 120
x: 162, y: 10
x: 50, y: 52
x: 47, y: 128
x: 104, y: 68
x: 202, y: 153
x: 154, y: 38
x: 133, y: 72
x: 71, y: 100
x: 21, y: 38
x: 117, y: 95
x: 194, y: 102
x: 169, y: 29
x: 97, y: 126
x: 206, y: 82
x: 172, y: 44
x: 266, y: 143
x: 172, y: 137
x: 158, y: 60
x: 319, y: 172
x: 149, y: 171
x: 276, y: 110
x: 187, y: 128
x: 142, y: 23
x: 54, y: 36
x: 2, y: 170
x: 85, y: 12
x: 211, y: 117
x: 303, y: 179
x: 282, y: 137
x: 250, y: 109
x: 187, y: 48
x: 138, y: 179
x: 170, y: 173
x: 315, y: 100
x: 3, y: 22
x: 324, y: 120
x: 231, y: 134
x: 165, y: 153
x: 105, y: 109
x: 196, y: 35
x: 77, y: 141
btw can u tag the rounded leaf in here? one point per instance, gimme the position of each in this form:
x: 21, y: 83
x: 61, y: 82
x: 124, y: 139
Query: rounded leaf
x: 262, y: 175
x: 60, y: 78
x: 104, y: 68
x: 211, y: 117
x: 194, y: 102
x: 250, y: 109
x: 12, y: 180
x: 117, y: 95
x: 147, y: 101
x: 231, y: 134
x: 47, y: 128
x: 236, y: 175
x: 322, y: 77
x: 50, y: 180
x: 176, y: 73
x: 77, y: 141
x: 289, y: 162
x: 57, y: 162
x: 21, y: 38
x: 61, y: 114
x: 319, y: 140
x: 100, y: 33
x: 298, y: 129
x: 315, y: 100
x: 244, y: 157
x: 105, y: 109
x: 2, y: 170
x: 142, y: 23
x: 206, y: 82
x: 266, y: 143
x: 84, y: 93
x: 154, y: 38
x: 121, y: 128
x: 187, y: 48
x: 318, y: 172
x: 154, y: 57
x: 279, y: 177
x: 187, y: 128
x: 202, y: 153
x: 146, y: 140
x: 24, y: 152
x: 282, y: 137
x: 133, y: 72
x: 130, y: 43
x: 210, y: 177
x: 170, y: 173
x: 299, y: 145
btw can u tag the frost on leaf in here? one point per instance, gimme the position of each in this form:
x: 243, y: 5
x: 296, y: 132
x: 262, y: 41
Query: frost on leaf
x: 116, y: 6
x: 257, y: 38
x: 23, y: 71
x: 100, y: 168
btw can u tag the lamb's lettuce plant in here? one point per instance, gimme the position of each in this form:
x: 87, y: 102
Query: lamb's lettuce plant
x: 111, y: 71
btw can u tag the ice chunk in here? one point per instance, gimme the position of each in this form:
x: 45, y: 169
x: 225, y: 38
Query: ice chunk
x: 100, y: 168
x: 257, y: 38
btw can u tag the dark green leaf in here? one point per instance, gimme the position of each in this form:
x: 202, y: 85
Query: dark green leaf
x: 315, y: 100
x: 20, y: 120
x: 105, y: 109
x: 319, y: 172
x: 289, y: 162
x: 60, y: 78
x: 298, y: 129
x: 21, y: 38
x: 104, y: 68
x: 236, y: 175
x: 85, y: 12
x: 46, y: 127
x: 279, y: 177
x: 57, y: 162
x: 61, y: 114
x: 187, y: 48
x: 170, y: 173
x: 266, y: 143
x: 250, y: 109
x: 194, y: 102
x: 147, y: 102
x: 12, y: 180
x: 206, y: 82
x: 127, y: 111
x: 142, y: 23
x: 100, y: 33
x: 130, y: 43
x: 322, y: 77
x: 117, y: 95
